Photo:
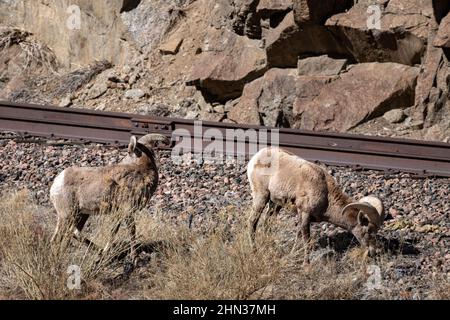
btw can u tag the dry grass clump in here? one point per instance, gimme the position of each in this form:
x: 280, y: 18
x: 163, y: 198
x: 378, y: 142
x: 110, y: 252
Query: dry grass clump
x: 55, y: 86
x: 35, y: 54
x: 31, y: 267
x: 11, y: 36
x: 221, y: 264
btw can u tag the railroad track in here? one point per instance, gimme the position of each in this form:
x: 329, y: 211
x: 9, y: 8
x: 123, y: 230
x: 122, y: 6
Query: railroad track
x: 360, y: 152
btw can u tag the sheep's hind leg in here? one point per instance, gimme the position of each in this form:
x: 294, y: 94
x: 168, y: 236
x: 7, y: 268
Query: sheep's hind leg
x: 274, y: 210
x: 259, y: 203
x: 131, y: 225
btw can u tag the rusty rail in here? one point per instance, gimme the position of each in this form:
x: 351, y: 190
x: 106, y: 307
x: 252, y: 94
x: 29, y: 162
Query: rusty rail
x: 361, y: 152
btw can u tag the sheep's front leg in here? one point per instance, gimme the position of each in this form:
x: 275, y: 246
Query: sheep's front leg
x: 303, y: 229
x: 111, y: 238
x: 80, y: 222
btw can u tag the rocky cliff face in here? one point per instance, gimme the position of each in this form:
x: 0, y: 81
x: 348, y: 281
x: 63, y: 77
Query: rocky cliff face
x: 368, y: 66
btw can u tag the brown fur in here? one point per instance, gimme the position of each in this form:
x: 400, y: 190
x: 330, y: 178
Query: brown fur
x: 87, y: 191
x: 315, y: 193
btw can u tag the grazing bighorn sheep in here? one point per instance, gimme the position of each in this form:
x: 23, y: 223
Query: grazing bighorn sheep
x: 79, y: 192
x: 278, y: 177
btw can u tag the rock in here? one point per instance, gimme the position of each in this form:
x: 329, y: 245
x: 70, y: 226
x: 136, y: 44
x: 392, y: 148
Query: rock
x: 269, y: 99
x: 150, y: 21
x: 361, y: 94
x: 219, y: 108
x: 65, y: 102
x: 134, y: 94
x: 227, y: 62
x: 172, y: 45
x: 214, y: 117
x: 312, y: 11
x: 394, y: 116
x: 401, y: 38
x: 288, y: 41
x: 97, y: 90
x: 443, y: 36
x: 191, y: 115
x: 267, y: 8
x: 240, y: 16
x: 321, y: 66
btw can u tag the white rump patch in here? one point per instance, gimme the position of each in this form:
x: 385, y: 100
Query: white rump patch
x: 58, y: 184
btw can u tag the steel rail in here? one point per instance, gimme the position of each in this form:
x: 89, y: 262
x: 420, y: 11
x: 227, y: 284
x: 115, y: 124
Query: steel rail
x: 361, y: 152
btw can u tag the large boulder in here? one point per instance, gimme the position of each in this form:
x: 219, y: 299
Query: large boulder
x: 366, y: 91
x: 240, y: 16
x: 288, y: 41
x: 268, y: 100
x: 402, y: 35
x: 227, y: 62
x: 267, y: 8
x: 321, y: 66
x: 443, y: 36
x: 317, y: 12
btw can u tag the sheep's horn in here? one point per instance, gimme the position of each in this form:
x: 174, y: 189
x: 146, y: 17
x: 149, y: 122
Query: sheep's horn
x: 149, y: 138
x: 132, y: 144
x: 368, y: 210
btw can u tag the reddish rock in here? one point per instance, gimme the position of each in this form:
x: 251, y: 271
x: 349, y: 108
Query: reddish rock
x: 443, y: 37
x: 313, y: 11
x: 401, y: 38
x: 321, y: 66
x: 171, y: 46
x: 267, y: 8
x: 270, y: 97
x: 288, y: 41
x: 365, y: 91
x: 269, y: 100
x: 227, y: 62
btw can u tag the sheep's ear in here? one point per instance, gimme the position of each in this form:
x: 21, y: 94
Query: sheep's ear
x: 132, y: 147
x: 362, y: 219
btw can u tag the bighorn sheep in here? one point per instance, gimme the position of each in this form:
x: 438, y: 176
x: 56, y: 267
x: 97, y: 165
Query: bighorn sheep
x: 278, y: 177
x: 78, y: 192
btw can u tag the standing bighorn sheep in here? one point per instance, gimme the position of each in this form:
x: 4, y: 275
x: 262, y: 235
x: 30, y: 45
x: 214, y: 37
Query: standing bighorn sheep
x: 278, y: 177
x: 79, y: 192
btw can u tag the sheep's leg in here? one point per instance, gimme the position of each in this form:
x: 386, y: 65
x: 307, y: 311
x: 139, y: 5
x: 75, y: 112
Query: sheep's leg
x: 274, y: 210
x: 79, y: 225
x: 303, y: 230
x: 131, y: 224
x: 113, y: 234
x: 56, y: 232
x: 259, y: 203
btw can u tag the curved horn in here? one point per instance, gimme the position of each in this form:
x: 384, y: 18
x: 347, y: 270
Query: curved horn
x: 150, y: 138
x: 370, y: 211
x: 132, y: 144
x: 376, y: 203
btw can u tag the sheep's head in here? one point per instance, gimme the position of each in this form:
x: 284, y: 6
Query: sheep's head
x: 370, y: 217
x: 137, y: 147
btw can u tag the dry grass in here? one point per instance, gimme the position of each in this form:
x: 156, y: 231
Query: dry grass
x: 56, y: 87
x: 214, y: 262
x: 35, y: 54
